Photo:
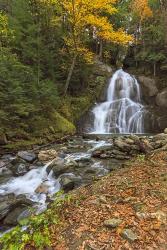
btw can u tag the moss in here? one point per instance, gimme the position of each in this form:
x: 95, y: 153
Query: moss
x: 41, y: 131
x: 74, y: 107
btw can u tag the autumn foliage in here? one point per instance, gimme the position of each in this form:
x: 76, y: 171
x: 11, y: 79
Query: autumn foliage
x: 142, y: 9
x: 85, y: 17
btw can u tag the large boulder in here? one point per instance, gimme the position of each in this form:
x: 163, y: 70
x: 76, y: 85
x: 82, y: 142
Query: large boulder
x: 58, y: 167
x: 8, y: 204
x: 149, y: 85
x: 47, y: 155
x: 27, y: 156
x: 161, y: 99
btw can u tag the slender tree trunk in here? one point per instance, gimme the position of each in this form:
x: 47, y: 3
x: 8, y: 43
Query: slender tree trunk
x: 101, y: 50
x: 154, y: 68
x: 70, y: 74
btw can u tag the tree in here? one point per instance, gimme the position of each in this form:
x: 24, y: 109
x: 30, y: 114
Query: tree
x: 82, y: 19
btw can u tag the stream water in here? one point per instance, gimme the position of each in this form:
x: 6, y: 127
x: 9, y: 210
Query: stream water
x: 40, y: 183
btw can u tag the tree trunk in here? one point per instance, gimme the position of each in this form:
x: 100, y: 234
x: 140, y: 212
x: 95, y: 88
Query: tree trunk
x: 154, y: 68
x: 101, y: 50
x: 70, y: 74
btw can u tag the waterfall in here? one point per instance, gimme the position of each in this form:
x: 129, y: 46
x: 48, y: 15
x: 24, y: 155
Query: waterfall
x: 123, y: 111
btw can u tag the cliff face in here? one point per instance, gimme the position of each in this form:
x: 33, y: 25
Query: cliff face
x: 155, y: 99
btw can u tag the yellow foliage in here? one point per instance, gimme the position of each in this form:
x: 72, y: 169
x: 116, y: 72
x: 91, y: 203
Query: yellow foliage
x: 142, y: 9
x: 90, y: 15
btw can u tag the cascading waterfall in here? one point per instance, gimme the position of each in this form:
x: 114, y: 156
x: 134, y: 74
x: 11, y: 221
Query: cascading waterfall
x: 123, y: 111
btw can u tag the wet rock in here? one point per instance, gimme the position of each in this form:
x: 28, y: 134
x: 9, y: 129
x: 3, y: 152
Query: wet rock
x: 47, y: 155
x: 129, y: 235
x: 12, y: 217
x: 96, y: 154
x: 5, y: 204
x: 165, y: 131
x: 5, y: 172
x: 91, y: 171
x: 149, y: 85
x: 112, y: 223
x: 58, y: 167
x: 20, y: 169
x: 161, y: 99
x: 27, y: 156
x: 2, y: 163
x: 104, y: 156
x: 11, y: 207
x: 4, y: 209
x: 43, y: 188
x: 67, y: 183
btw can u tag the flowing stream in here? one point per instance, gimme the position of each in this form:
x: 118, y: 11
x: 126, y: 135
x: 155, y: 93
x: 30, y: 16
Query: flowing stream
x: 123, y: 111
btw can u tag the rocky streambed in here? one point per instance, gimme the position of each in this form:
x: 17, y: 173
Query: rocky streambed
x: 29, y: 180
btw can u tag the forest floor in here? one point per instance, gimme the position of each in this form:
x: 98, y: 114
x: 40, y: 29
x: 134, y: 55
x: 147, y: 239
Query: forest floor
x: 124, y: 210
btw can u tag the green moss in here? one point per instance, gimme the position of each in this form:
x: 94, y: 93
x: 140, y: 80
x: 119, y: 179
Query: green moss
x: 74, y: 107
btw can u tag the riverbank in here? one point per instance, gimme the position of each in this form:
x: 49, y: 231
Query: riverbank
x: 132, y: 196
x: 126, y: 209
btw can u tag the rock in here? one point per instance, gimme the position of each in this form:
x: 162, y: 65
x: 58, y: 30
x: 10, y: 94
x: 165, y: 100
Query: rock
x: 71, y: 163
x: 145, y: 146
x: 129, y: 235
x: 20, y: 169
x: 96, y: 154
x: 160, y: 137
x: 27, y: 156
x: 161, y: 99
x: 12, y: 206
x: 5, y: 172
x: 2, y: 164
x: 165, y: 131
x: 4, y: 209
x: 118, y: 152
x: 58, y: 167
x: 103, y: 199
x: 129, y: 141
x: 12, y: 217
x: 67, y: 183
x: 43, y: 188
x: 149, y: 84
x: 122, y: 145
x: 112, y: 223
x: 47, y: 155
x: 121, y: 157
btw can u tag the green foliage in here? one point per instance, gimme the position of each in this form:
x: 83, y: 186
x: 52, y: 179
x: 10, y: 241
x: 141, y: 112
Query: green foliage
x: 37, y: 228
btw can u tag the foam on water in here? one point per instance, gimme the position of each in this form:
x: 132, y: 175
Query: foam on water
x: 28, y: 184
x: 123, y: 111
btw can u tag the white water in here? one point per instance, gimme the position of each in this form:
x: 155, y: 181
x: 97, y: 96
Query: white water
x: 123, y: 111
x: 28, y: 184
